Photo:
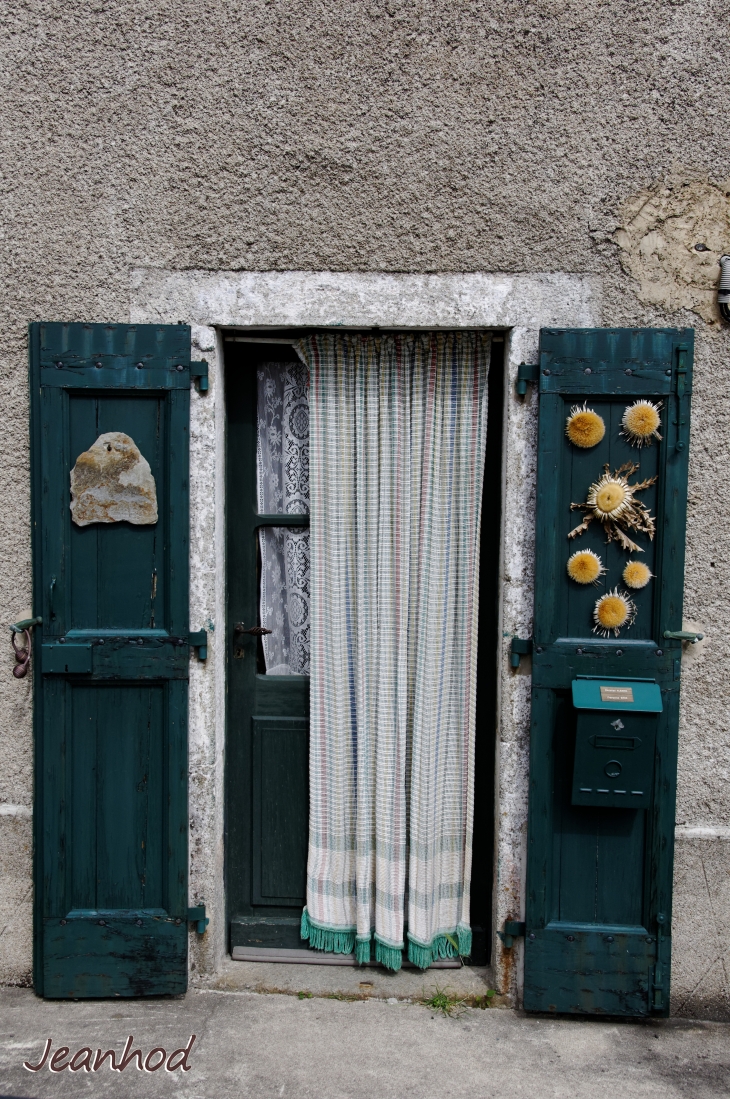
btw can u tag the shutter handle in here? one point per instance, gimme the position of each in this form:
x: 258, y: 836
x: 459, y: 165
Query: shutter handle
x: 684, y: 635
x: 255, y: 631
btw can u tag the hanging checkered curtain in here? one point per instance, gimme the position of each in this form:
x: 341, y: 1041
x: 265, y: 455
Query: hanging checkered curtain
x: 398, y: 432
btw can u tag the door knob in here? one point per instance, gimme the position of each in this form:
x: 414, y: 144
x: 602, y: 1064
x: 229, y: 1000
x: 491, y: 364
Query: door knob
x: 255, y: 631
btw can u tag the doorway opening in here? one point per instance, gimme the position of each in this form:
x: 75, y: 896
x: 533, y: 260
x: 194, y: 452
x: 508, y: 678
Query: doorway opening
x: 267, y: 772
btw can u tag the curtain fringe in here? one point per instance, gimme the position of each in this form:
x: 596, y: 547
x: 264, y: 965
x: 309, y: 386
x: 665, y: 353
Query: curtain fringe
x: 334, y: 940
x: 389, y: 956
x: 443, y: 946
x: 362, y: 951
x: 337, y: 941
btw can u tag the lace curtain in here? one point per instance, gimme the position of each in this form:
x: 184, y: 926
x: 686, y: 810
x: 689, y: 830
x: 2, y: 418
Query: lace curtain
x: 283, y: 486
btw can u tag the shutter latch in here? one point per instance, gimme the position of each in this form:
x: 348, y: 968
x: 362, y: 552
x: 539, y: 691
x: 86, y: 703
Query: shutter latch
x: 199, y: 640
x: 658, y: 990
x: 513, y: 929
x: 526, y: 372
x: 199, y: 370
x: 197, y: 915
x: 685, y: 635
x: 519, y: 646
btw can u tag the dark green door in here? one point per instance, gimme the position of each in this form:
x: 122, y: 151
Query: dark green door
x: 112, y: 663
x: 605, y: 709
x: 268, y: 716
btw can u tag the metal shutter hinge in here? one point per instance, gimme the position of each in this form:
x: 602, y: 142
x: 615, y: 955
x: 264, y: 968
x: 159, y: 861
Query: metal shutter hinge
x: 197, y: 915
x: 199, y: 371
x: 519, y: 647
x: 513, y: 929
x: 199, y: 640
x: 526, y: 372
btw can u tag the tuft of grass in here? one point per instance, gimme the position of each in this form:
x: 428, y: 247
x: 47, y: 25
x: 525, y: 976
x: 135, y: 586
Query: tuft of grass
x: 305, y: 995
x: 485, y: 1000
x: 443, y: 1002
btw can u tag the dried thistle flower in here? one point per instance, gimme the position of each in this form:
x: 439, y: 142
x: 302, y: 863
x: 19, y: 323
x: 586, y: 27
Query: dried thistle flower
x: 585, y: 567
x: 640, y: 423
x: 612, y: 501
x: 612, y: 612
x: 636, y: 574
x: 584, y: 427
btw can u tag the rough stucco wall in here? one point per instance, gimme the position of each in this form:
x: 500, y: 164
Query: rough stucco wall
x: 384, y: 135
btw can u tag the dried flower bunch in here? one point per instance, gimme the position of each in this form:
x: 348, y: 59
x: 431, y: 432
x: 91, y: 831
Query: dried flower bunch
x: 585, y: 567
x: 612, y: 611
x: 636, y: 574
x: 584, y: 427
x: 641, y: 423
x: 612, y: 500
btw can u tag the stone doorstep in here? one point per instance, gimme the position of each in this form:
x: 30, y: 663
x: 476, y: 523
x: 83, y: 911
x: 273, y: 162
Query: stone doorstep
x: 347, y: 982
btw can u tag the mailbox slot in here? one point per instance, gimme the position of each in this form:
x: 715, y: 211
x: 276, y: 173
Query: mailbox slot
x: 615, y: 740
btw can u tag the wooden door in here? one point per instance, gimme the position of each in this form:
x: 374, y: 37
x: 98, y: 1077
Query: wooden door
x: 599, y: 876
x: 267, y: 815
x: 111, y: 668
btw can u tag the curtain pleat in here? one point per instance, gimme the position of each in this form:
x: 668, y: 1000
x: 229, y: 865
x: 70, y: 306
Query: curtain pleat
x: 398, y: 433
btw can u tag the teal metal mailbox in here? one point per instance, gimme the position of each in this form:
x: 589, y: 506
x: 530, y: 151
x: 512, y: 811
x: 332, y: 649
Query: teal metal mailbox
x: 614, y: 741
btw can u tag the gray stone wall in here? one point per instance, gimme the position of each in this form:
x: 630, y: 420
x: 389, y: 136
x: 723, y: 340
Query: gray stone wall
x: 585, y: 138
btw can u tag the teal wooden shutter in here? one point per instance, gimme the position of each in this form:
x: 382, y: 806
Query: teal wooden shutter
x: 111, y: 668
x: 599, y: 876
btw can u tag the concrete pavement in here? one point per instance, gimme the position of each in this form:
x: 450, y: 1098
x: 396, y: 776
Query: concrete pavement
x: 263, y: 1045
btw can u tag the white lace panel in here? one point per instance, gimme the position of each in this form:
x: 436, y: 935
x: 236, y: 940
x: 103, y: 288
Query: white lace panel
x: 282, y: 465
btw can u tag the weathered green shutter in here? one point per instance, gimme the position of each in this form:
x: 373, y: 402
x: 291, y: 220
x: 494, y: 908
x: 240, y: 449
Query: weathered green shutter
x: 599, y: 878
x: 111, y: 668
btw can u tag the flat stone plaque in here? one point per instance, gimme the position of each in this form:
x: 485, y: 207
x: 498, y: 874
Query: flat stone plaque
x: 112, y: 483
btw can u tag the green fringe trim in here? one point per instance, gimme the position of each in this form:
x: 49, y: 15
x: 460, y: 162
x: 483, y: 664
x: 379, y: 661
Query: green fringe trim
x: 336, y: 941
x: 389, y: 956
x: 362, y: 951
x: 443, y: 946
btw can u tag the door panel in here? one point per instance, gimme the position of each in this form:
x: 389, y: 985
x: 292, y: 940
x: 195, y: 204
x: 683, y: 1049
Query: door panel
x: 111, y: 669
x: 280, y: 810
x: 268, y: 718
x: 599, y: 879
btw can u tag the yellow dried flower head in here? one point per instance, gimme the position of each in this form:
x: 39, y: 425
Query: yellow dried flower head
x: 637, y: 574
x: 585, y: 567
x: 613, y: 611
x: 584, y: 427
x: 641, y: 422
x: 608, y: 497
x: 612, y: 500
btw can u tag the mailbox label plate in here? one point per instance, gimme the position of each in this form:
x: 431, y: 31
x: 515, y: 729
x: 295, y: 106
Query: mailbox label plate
x: 617, y: 694
x: 608, y: 693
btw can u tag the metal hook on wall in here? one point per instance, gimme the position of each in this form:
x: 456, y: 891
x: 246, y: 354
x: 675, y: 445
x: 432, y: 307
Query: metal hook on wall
x: 23, y: 653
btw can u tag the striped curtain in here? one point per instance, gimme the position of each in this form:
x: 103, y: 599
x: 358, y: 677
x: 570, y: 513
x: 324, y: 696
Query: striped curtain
x: 398, y: 432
